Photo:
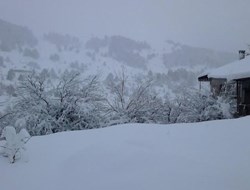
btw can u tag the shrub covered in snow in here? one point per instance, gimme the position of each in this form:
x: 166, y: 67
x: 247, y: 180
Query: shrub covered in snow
x: 70, y: 104
x: 73, y: 103
x: 195, y: 106
x: 137, y: 105
x: 14, y: 145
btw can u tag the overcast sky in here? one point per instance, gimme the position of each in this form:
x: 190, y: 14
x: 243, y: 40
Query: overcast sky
x: 217, y: 24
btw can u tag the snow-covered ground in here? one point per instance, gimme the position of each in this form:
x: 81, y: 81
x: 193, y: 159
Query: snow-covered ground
x: 203, y: 156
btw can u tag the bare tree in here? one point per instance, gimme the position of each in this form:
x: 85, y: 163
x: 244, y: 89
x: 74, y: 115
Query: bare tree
x: 128, y: 104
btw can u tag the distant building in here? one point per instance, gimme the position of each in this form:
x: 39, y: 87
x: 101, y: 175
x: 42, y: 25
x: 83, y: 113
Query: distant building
x: 237, y: 72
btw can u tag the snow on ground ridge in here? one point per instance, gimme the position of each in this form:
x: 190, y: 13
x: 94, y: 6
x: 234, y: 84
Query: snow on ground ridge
x: 208, y: 155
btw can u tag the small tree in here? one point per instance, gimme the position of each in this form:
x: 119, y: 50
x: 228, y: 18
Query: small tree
x: 69, y: 104
x: 14, y: 146
x: 11, y: 75
x: 130, y: 104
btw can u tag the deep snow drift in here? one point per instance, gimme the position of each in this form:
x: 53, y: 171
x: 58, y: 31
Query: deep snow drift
x: 203, y: 156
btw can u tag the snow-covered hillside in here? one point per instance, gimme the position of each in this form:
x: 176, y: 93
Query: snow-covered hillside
x: 210, y: 155
x: 171, y: 64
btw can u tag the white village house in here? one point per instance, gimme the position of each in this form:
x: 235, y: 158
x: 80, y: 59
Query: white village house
x: 237, y: 72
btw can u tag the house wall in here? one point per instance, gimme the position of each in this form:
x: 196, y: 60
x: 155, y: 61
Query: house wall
x: 243, y: 100
x: 216, y: 85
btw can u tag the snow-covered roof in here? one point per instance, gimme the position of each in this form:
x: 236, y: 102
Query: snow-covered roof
x: 232, y: 71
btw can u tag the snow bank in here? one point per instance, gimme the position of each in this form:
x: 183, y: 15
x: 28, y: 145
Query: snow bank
x: 203, y: 156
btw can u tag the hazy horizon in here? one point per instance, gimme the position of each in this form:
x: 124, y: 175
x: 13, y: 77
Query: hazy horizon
x: 222, y: 25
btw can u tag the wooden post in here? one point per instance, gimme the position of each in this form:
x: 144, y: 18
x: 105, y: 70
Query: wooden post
x: 237, y: 95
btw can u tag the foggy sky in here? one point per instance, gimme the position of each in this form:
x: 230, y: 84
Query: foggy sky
x: 217, y: 24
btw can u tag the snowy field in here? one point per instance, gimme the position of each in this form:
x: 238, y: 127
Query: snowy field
x: 203, y: 156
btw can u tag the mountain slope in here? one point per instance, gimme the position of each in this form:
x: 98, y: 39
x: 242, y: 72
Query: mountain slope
x: 170, y: 64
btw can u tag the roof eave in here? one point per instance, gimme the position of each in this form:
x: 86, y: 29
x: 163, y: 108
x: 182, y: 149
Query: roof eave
x: 203, y: 78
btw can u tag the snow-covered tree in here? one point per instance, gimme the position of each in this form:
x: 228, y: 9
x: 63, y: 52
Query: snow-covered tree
x: 68, y: 104
x: 195, y: 106
x: 128, y: 104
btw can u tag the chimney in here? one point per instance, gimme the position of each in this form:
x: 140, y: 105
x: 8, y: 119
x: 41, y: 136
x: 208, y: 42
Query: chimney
x: 242, y: 54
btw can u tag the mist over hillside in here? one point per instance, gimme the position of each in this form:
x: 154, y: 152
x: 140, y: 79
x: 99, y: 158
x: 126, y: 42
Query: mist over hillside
x: 13, y: 36
x: 172, y: 65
